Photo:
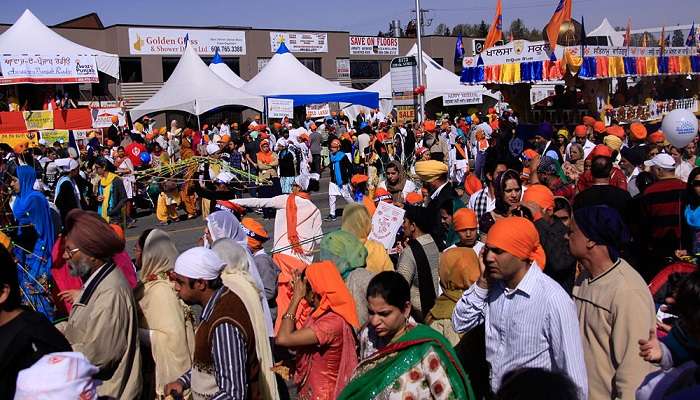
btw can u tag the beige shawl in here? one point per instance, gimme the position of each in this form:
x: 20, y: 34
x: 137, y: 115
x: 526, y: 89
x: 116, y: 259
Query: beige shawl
x: 236, y: 277
x: 168, y: 320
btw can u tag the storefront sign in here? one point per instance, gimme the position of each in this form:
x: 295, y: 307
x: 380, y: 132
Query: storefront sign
x: 457, y: 99
x: 172, y: 41
x: 300, y: 42
x: 37, y: 120
x: 102, y: 117
x: 54, y: 135
x: 375, y: 46
x: 386, y: 221
x: 280, y: 108
x: 47, y: 69
x: 342, y: 68
x: 404, y: 79
x: 317, y: 111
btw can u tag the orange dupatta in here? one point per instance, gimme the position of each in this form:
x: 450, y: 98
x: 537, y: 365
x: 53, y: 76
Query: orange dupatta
x: 292, y: 234
x: 325, y: 280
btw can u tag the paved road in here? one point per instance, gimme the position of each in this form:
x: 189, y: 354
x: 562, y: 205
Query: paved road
x: 186, y: 233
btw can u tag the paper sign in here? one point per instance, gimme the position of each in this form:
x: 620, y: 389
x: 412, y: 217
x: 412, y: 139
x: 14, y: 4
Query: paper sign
x: 386, y: 222
x: 280, y: 108
x: 47, y: 69
x: 37, y: 120
x: 456, y: 99
x: 15, y: 138
x: 54, y: 135
x: 102, y: 117
x: 81, y: 134
x: 172, y: 41
x: 317, y: 110
x: 300, y: 42
x: 342, y: 68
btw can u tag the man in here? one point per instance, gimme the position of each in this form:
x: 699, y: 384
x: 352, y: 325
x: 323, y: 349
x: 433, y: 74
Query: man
x: 434, y: 176
x: 615, y: 307
x: 544, y: 144
x: 484, y: 200
x: 67, y: 194
x: 225, y: 364
x: 631, y: 159
x: 396, y: 182
x: 103, y: 323
x: 602, y: 192
x: 267, y: 268
x: 662, y: 206
x: 363, y: 141
x: 581, y: 133
x: 419, y: 261
x: 113, y: 132
x: 341, y: 173
x: 561, y: 265
x: 315, y: 148
x: 439, y: 149
x: 466, y: 225
x: 530, y: 322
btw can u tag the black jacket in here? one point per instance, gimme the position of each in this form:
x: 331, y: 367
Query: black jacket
x: 345, y: 171
x: 433, y: 209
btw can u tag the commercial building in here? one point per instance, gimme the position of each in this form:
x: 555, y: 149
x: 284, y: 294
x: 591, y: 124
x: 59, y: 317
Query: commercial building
x: 148, y: 54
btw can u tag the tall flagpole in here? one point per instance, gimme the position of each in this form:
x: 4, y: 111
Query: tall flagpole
x: 419, y: 27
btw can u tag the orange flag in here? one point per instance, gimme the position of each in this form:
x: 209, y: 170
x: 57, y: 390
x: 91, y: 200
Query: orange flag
x: 561, y: 15
x: 496, y: 29
x: 628, y: 33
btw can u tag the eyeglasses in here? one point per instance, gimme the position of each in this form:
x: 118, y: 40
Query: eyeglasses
x: 68, y: 253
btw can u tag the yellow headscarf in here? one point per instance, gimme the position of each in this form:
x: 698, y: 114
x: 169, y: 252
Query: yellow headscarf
x: 356, y: 220
x: 106, y: 183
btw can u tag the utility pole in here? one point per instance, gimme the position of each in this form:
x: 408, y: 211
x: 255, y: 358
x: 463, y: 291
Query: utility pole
x: 419, y: 32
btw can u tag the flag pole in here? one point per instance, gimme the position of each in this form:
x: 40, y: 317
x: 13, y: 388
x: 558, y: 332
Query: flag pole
x: 419, y: 27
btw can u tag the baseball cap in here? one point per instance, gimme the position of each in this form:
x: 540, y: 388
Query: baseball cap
x: 661, y: 160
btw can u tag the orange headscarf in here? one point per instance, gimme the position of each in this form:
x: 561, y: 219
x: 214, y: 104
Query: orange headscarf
x: 459, y: 268
x: 265, y: 156
x: 325, y: 280
x: 291, y: 209
x: 517, y: 236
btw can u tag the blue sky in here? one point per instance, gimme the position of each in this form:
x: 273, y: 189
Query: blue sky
x: 357, y: 16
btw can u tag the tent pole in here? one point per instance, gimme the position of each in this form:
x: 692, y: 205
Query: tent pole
x: 419, y: 28
x: 265, y: 110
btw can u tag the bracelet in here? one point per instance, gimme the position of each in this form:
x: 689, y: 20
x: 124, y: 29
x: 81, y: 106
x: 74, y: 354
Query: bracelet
x: 289, y: 316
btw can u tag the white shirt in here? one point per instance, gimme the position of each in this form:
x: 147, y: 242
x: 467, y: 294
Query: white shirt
x: 587, y: 148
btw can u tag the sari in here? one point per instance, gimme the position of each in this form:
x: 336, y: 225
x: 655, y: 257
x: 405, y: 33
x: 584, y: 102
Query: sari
x: 420, y: 364
x: 163, y: 318
x: 236, y: 276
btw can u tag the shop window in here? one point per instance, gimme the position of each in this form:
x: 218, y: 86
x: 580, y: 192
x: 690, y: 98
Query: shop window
x: 130, y: 69
x: 364, y: 69
x: 313, y: 64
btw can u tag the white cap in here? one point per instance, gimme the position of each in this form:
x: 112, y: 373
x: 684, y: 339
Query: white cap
x: 67, y: 375
x: 199, y: 263
x: 212, y: 148
x: 661, y: 160
x: 66, y: 164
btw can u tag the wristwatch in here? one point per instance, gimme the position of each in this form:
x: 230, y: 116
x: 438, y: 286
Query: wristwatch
x: 289, y: 316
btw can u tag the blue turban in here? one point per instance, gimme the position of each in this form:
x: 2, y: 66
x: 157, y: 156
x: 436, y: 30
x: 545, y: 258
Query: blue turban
x: 546, y: 130
x: 603, y: 225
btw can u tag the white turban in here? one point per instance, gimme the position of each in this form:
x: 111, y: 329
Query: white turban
x: 303, y: 180
x: 212, y: 148
x: 199, y: 263
x: 66, y: 164
x: 58, y: 376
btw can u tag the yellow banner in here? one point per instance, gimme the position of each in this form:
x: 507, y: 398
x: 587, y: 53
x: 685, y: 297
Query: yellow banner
x: 13, y: 139
x: 54, y: 135
x: 37, y: 120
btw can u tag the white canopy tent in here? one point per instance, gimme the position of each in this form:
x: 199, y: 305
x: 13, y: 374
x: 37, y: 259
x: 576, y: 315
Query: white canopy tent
x: 29, y: 36
x: 285, y: 77
x: 195, y: 89
x: 605, y: 30
x: 439, y: 82
x: 224, y: 72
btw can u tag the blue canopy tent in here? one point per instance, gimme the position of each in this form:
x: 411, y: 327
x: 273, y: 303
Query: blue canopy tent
x: 284, y: 77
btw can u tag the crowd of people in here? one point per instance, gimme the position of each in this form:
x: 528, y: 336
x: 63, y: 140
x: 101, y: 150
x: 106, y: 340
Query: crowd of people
x: 533, y: 261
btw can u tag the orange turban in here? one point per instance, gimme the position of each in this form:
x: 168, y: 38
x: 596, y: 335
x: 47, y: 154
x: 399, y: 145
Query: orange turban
x: 639, y: 132
x: 255, y: 232
x: 616, y: 130
x: 540, y: 195
x: 657, y: 137
x: 21, y: 146
x: 458, y: 269
x: 588, y: 120
x: 580, y: 131
x: 429, y: 125
x: 225, y: 139
x: 381, y: 194
x: 325, y: 280
x: 414, y: 198
x: 599, y: 126
x: 115, y: 119
x: 464, y: 218
x: 188, y: 132
x: 601, y: 150
x: 531, y: 154
x: 358, y: 178
x: 517, y: 236
x: 162, y: 130
x: 472, y: 184
x: 118, y: 230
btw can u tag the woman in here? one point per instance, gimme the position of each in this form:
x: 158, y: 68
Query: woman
x: 562, y: 210
x: 574, y: 165
x: 224, y: 225
x: 508, y: 194
x: 683, y: 166
x: 267, y: 173
x: 356, y: 220
x: 125, y: 169
x: 33, y: 241
x: 165, y: 323
x: 396, y: 182
x: 236, y: 276
x: 692, y: 211
x: 400, y: 358
x: 111, y: 195
x: 325, y: 344
x: 348, y: 255
x: 458, y: 270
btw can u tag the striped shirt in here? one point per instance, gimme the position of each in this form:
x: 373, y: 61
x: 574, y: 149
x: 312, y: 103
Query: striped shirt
x: 532, y: 326
x: 229, y: 354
